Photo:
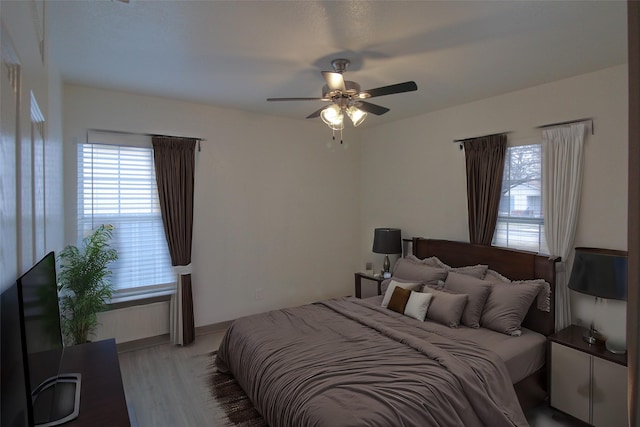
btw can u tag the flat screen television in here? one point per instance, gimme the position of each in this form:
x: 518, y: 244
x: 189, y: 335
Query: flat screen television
x: 53, y: 397
x: 15, y: 396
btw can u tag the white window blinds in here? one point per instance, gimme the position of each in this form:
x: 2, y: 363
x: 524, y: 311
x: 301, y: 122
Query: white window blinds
x: 520, y: 219
x: 116, y: 185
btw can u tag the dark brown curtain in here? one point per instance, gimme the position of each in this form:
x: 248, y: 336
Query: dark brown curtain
x: 485, y: 165
x: 175, y: 167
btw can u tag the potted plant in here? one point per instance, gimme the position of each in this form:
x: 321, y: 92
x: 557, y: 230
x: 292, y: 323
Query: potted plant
x: 83, y: 283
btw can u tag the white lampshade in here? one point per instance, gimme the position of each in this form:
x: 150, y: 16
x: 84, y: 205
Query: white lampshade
x: 356, y: 115
x: 333, y: 117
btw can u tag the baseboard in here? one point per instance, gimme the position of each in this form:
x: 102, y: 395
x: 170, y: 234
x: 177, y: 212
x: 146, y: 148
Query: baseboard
x: 164, y: 338
x: 142, y: 343
x: 213, y: 328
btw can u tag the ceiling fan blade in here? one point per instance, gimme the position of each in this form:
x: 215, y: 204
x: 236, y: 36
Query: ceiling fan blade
x: 372, y: 108
x: 391, y: 89
x: 298, y: 99
x: 335, y: 81
x: 315, y: 113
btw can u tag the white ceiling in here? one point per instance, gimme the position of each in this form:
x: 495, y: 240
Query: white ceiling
x: 238, y: 53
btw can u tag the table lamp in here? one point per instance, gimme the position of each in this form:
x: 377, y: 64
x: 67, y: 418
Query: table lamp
x: 387, y: 241
x: 601, y: 273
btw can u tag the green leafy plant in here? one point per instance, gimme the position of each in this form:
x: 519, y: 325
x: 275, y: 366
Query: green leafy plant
x: 83, y: 283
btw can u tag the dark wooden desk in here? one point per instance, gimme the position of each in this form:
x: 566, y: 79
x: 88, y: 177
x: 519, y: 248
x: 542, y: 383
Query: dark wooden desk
x: 102, y: 400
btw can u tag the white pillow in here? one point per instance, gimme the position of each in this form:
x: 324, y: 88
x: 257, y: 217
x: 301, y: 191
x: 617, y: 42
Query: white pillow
x: 417, y: 305
x: 392, y: 286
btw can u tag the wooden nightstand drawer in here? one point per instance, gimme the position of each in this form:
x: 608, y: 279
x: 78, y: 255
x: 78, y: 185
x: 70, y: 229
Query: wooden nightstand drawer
x: 609, y: 394
x: 358, y: 282
x: 570, y: 381
x: 587, y: 382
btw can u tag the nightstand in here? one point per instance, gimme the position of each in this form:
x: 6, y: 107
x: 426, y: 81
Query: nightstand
x: 358, y: 280
x: 587, y: 381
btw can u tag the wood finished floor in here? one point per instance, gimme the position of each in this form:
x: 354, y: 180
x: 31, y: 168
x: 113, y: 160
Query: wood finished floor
x: 166, y: 385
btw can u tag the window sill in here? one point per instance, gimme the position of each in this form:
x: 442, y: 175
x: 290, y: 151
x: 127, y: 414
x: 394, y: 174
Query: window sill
x: 141, y: 297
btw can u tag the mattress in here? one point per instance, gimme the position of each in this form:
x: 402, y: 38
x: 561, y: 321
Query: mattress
x: 522, y: 355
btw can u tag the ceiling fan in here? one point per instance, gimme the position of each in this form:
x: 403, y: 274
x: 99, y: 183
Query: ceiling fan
x: 345, y: 97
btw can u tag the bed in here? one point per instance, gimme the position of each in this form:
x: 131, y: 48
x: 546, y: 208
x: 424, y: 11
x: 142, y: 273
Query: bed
x: 352, y: 362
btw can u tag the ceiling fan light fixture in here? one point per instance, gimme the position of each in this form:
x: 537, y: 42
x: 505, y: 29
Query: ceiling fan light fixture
x: 333, y: 117
x: 356, y: 115
x: 345, y: 97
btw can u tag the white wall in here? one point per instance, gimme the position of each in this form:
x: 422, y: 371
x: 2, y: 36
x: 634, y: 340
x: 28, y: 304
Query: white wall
x: 30, y: 161
x: 413, y: 175
x: 276, y: 213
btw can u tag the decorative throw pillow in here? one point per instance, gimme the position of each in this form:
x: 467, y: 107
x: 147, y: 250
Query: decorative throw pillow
x: 543, y: 300
x: 431, y: 261
x: 477, y: 290
x: 478, y: 270
x: 417, y: 305
x: 399, y: 299
x: 494, y: 276
x: 411, y: 270
x: 507, y: 305
x: 446, y: 308
x: 393, y: 284
x: 385, y: 284
x: 437, y: 286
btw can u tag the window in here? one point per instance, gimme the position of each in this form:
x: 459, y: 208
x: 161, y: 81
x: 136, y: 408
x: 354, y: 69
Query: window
x: 520, y: 218
x: 117, y: 185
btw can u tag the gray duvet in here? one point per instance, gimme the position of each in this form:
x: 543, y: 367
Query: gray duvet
x: 348, y: 362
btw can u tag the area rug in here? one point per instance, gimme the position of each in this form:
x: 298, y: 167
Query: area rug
x: 227, y: 393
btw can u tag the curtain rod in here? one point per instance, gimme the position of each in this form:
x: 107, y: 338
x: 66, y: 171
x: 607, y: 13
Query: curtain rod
x: 568, y: 122
x: 142, y: 134
x: 460, y: 141
x: 122, y: 132
x: 483, y: 136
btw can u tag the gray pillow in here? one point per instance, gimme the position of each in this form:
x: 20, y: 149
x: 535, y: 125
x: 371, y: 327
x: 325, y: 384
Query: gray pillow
x: 543, y: 301
x: 446, y: 308
x: 439, y: 286
x: 507, y: 305
x: 477, y: 290
x: 478, y: 270
x: 385, y: 284
x: 411, y: 270
x: 431, y: 261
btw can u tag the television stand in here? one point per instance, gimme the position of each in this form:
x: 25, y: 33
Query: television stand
x: 102, y: 399
x: 64, y: 390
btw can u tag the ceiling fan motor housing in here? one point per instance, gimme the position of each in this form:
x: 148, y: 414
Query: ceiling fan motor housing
x: 340, y: 65
x: 352, y: 90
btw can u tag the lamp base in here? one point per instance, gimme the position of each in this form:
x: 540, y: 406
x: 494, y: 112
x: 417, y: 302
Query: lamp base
x: 387, y: 265
x: 594, y: 336
x: 614, y: 348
